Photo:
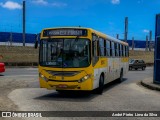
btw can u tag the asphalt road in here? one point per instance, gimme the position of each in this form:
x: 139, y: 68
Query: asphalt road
x: 20, y: 72
x: 126, y: 96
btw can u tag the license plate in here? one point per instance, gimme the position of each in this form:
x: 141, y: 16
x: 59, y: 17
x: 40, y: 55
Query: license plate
x: 62, y: 86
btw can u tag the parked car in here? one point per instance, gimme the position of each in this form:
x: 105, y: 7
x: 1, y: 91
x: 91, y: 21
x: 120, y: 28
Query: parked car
x: 137, y: 64
x: 2, y: 67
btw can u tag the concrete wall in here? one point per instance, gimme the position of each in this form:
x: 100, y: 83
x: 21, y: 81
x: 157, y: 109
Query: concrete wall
x: 148, y: 57
x: 18, y: 54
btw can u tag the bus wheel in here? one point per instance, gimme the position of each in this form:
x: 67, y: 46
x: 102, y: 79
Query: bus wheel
x: 121, y: 77
x: 143, y: 68
x: 130, y: 68
x: 101, y: 85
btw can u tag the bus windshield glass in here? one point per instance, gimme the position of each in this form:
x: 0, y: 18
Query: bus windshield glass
x: 66, y: 53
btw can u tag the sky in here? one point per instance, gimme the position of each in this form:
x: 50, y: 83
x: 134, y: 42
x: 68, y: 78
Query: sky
x: 106, y: 16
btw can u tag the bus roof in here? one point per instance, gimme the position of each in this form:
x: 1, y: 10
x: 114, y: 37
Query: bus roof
x: 94, y: 31
x: 108, y: 37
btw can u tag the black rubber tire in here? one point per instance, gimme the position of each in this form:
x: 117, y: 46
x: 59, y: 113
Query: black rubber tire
x: 101, y: 85
x: 143, y: 68
x: 130, y: 68
x: 136, y: 68
x: 120, y: 79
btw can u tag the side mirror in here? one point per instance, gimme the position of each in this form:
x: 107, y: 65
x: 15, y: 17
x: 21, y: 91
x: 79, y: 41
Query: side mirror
x: 36, y: 45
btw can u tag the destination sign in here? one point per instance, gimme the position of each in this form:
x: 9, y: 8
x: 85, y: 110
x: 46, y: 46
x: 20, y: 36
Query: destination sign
x: 65, y: 32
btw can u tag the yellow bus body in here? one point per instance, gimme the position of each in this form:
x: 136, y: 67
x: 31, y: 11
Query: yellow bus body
x: 110, y: 67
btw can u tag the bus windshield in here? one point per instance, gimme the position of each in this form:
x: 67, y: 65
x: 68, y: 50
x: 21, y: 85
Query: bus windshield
x: 66, y: 53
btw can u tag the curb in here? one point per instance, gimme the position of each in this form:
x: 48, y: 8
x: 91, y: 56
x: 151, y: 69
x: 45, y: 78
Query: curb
x: 150, y: 86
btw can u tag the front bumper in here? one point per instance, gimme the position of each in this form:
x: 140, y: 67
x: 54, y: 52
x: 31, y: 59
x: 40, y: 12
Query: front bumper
x: 55, y: 85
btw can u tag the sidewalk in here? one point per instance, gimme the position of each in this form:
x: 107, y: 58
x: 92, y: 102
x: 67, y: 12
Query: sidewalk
x: 148, y: 82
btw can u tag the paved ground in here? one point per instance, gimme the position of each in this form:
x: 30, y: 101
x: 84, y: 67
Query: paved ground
x: 20, y: 91
x: 15, y: 78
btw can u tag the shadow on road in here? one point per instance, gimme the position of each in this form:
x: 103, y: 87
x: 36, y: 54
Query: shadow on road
x: 112, y: 85
x: 77, y: 96
x: 71, y: 96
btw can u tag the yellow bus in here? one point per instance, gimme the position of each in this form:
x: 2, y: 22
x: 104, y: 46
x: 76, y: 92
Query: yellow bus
x: 75, y: 58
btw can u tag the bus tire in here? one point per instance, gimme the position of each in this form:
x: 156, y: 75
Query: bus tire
x: 130, y: 68
x: 120, y: 79
x: 101, y: 85
x: 143, y: 68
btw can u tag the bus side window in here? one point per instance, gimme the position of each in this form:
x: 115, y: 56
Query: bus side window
x: 98, y: 48
x: 127, y: 51
x: 105, y: 52
x: 94, y: 45
x: 101, y: 47
x: 108, y: 48
x: 119, y: 50
x: 113, y: 50
x: 95, y: 51
x: 124, y: 51
x: 116, y: 49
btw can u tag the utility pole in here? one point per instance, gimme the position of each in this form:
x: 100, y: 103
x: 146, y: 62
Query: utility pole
x: 126, y: 29
x: 24, y: 22
x: 132, y: 43
x: 147, y: 43
x: 117, y: 36
x: 11, y: 38
x: 150, y: 40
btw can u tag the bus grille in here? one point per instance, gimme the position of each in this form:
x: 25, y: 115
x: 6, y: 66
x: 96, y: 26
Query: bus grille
x: 63, y: 80
x: 68, y: 87
x: 63, y: 73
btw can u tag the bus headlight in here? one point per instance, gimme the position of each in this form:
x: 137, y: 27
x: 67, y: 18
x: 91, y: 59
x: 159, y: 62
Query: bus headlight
x: 84, y: 78
x: 43, y: 77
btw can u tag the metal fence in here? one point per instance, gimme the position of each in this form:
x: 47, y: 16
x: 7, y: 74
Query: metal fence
x: 16, y: 39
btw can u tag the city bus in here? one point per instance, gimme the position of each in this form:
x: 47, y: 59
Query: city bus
x: 80, y: 59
